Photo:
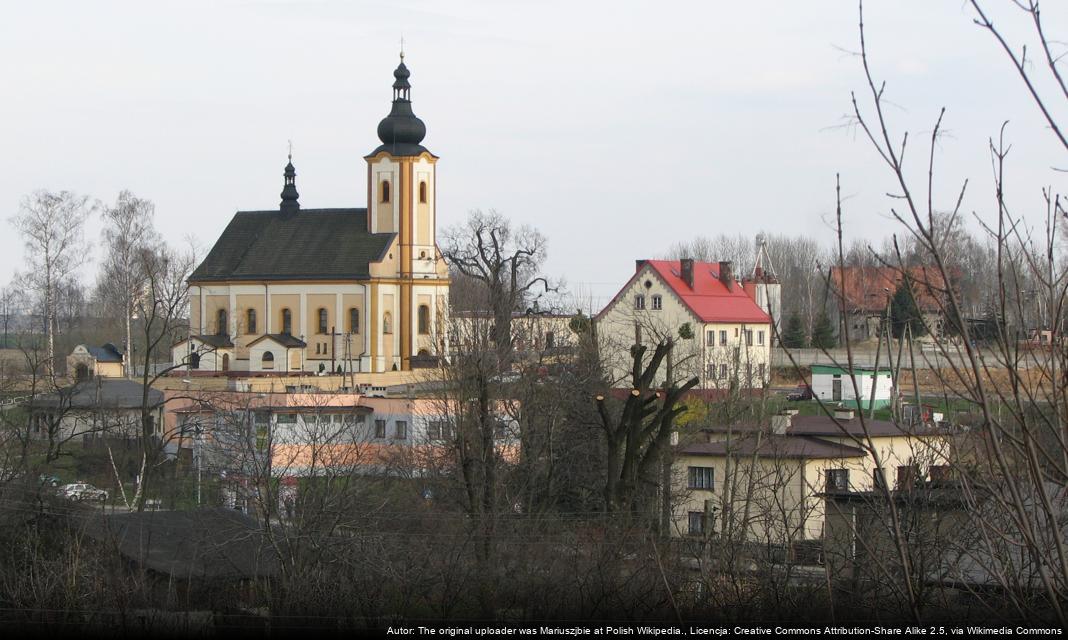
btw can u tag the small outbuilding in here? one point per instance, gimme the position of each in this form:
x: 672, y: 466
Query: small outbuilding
x: 836, y: 384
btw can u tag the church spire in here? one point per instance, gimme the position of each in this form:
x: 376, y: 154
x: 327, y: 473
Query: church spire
x: 401, y: 132
x: 289, y: 203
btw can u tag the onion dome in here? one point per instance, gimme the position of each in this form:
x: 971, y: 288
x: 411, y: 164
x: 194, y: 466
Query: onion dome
x: 401, y: 132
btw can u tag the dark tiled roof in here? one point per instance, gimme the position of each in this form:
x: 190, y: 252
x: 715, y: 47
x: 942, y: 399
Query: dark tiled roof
x: 824, y: 426
x: 284, y: 339
x: 106, y: 353
x: 201, y: 544
x: 306, y: 245
x: 100, y: 393
x: 214, y: 340
x: 774, y: 446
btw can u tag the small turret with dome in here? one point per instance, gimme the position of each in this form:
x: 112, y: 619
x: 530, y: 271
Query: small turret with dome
x: 290, y: 198
x: 401, y: 132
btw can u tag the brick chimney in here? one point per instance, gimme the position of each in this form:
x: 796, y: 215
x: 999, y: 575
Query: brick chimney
x: 726, y: 275
x: 686, y: 269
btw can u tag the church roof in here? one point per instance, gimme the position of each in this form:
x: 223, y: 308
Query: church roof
x: 312, y: 244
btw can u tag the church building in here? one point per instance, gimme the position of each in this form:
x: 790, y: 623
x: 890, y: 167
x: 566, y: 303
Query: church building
x: 330, y: 290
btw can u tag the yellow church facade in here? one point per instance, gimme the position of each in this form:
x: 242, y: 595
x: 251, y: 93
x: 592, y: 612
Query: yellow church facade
x: 342, y: 290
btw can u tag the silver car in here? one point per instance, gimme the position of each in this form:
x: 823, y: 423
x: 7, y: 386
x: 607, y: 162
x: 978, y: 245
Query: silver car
x: 82, y: 491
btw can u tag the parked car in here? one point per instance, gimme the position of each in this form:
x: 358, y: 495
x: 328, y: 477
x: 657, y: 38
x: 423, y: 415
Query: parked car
x: 48, y: 480
x: 801, y: 392
x: 82, y: 491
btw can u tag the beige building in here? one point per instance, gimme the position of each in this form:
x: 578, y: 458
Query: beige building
x: 330, y: 290
x: 87, y: 362
x: 721, y: 335
x: 767, y: 485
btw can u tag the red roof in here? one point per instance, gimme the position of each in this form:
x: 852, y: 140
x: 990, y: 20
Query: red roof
x: 709, y: 299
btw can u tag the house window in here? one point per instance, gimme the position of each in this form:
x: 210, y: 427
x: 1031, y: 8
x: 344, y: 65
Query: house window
x: 402, y: 430
x: 711, y: 372
x: 696, y: 523
x: 380, y: 428
x: 439, y: 430
x: 385, y: 191
x: 723, y: 371
x: 760, y: 372
x: 267, y: 360
x: 658, y: 302
x: 287, y: 322
x: 723, y: 338
x: 250, y: 321
x: 907, y: 476
x: 354, y: 320
x: 837, y: 479
x: 748, y: 337
x: 702, y: 477
x: 220, y: 323
x: 286, y: 418
x: 760, y: 337
x: 879, y: 478
x: 322, y: 321
x: 422, y: 192
x: 710, y: 338
x: 550, y: 339
x: 387, y: 322
x: 639, y: 301
x: 424, y: 319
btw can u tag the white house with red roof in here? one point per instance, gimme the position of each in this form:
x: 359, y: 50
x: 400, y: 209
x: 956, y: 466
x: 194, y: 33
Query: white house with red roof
x: 722, y: 336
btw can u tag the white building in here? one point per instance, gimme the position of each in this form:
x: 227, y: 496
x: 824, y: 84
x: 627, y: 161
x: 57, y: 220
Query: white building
x: 835, y: 385
x: 721, y: 335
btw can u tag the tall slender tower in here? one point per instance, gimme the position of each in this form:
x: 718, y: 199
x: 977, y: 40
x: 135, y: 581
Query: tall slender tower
x: 400, y: 195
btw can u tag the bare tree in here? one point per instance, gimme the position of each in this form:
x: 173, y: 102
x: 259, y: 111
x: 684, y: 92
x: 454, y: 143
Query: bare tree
x: 128, y: 231
x: 639, y: 434
x: 51, y: 225
x: 506, y: 261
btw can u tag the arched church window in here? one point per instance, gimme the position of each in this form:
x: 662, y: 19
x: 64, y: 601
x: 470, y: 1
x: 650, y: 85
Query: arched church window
x: 322, y: 321
x: 354, y: 320
x: 194, y: 361
x: 220, y: 323
x: 287, y: 322
x: 422, y: 192
x: 385, y: 191
x: 424, y: 319
x: 267, y: 360
x: 387, y: 322
x: 250, y: 321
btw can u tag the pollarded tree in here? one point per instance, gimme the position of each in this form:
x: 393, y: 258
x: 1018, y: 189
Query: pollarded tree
x: 638, y: 434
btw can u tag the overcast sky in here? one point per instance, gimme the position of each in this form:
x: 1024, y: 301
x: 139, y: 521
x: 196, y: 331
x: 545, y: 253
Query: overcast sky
x: 616, y: 128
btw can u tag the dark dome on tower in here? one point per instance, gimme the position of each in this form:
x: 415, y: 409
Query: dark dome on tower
x: 401, y: 132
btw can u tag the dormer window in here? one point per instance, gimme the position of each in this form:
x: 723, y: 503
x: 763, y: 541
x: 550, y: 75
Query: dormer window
x: 384, y: 191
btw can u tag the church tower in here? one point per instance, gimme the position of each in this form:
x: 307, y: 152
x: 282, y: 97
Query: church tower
x: 401, y: 199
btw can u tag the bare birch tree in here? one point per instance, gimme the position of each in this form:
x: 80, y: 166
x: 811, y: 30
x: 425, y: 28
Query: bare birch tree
x: 51, y: 225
